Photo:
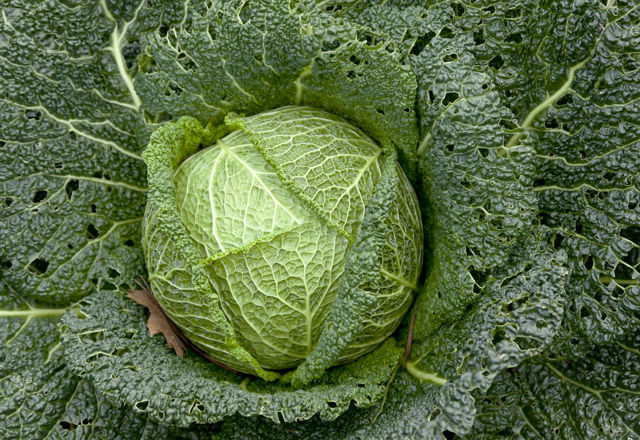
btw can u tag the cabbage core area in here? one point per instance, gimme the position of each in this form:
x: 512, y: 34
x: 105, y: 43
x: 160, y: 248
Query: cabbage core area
x: 273, y: 210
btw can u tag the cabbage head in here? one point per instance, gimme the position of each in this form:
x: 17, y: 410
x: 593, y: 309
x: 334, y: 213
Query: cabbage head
x: 251, y: 229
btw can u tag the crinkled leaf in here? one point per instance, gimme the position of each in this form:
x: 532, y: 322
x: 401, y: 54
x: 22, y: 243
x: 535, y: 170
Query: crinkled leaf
x: 370, y: 285
x: 515, y: 319
x: 40, y: 398
x: 71, y: 178
x: 110, y: 345
x: 591, y: 398
x: 477, y: 195
x: 233, y: 59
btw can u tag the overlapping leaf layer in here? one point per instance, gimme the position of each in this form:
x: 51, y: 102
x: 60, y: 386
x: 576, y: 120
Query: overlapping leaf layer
x: 516, y: 121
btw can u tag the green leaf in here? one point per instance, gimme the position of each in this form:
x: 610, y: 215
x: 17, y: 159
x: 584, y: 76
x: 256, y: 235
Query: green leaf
x: 41, y: 398
x: 592, y: 398
x: 477, y: 194
x: 72, y: 182
x: 516, y: 318
x: 305, y: 160
x: 381, y: 274
x: 109, y: 344
x: 233, y: 60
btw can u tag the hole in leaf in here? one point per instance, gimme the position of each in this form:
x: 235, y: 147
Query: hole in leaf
x: 496, y: 62
x: 514, y: 38
x: 106, y: 285
x: 484, y: 152
x: 330, y: 45
x: 557, y: 241
x: 435, y: 413
x: 449, y: 98
x: 478, y: 38
x: 513, y: 13
x: 142, y: 405
x: 39, y: 196
x: 33, y: 114
x: 566, y: 99
x: 631, y: 233
x: 551, y: 123
x: 92, y: 232
x: 121, y: 351
x: 68, y: 426
x: 458, y: 9
x: 173, y: 90
x: 588, y: 262
x: 479, y: 277
x: 71, y: 186
x: 421, y: 42
x: 113, y: 273
x: 8, y: 201
x: 38, y: 266
x: 129, y: 243
x: 93, y: 207
x: 498, y: 336
x: 332, y: 404
x: 617, y: 292
x: 446, y: 32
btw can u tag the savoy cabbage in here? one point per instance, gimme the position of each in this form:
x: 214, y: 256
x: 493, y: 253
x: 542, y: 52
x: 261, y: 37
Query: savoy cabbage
x: 515, y: 122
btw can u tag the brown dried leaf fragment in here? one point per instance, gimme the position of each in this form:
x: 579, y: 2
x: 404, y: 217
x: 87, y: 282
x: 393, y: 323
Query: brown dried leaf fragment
x: 158, y: 321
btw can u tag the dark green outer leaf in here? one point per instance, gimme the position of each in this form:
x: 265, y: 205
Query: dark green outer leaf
x: 592, y: 398
x: 477, y: 195
x: 107, y: 341
x: 71, y: 180
x: 234, y: 60
x: 71, y: 194
x: 570, y: 74
x: 40, y: 398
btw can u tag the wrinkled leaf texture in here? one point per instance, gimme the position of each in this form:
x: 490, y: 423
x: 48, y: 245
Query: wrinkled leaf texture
x: 526, y: 165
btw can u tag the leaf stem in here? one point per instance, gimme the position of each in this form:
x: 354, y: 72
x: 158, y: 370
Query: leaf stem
x: 544, y: 105
x: 423, y: 376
